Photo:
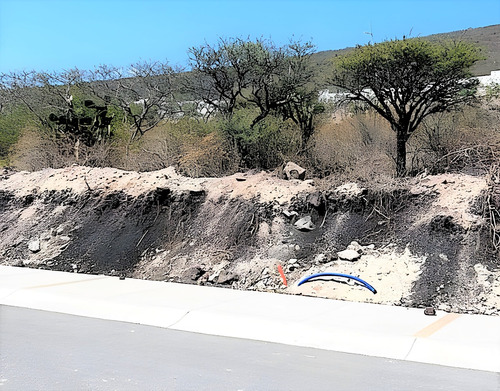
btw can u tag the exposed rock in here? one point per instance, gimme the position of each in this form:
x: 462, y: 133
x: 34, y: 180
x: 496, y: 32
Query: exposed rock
x: 290, y: 214
x: 350, y: 189
x: 355, y: 246
x: 213, y: 276
x: 315, y: 199
x: 321, y: 258
x: 193, y: 273
x: 348, y: 255
x: 305, y: 224
x: 226, y: 277
x: 292, y: 264
x: 34, y: 245
x: 294, y: 171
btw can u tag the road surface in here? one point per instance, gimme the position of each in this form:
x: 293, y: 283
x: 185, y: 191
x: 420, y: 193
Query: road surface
x: 51, y: 351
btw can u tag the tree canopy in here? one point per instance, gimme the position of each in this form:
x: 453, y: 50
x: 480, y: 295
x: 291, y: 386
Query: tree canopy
x: 407, y: 80
x: 274, y: 79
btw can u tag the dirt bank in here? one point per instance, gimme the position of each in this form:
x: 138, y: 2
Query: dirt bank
x: 425, y: 242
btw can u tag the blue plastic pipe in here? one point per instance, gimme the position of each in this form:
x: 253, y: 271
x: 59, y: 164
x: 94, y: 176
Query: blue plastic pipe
x: 365, y: 284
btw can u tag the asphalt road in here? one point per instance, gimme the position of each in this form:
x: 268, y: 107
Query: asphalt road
x: 51, y: 351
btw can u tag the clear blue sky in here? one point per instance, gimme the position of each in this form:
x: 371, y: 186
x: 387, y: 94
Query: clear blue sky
x: 61, y: 34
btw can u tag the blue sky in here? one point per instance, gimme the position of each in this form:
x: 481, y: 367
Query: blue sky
x: 62, y: 34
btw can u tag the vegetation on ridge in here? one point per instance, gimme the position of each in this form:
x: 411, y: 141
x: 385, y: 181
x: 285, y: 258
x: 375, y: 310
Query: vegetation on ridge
x: 250, y: 104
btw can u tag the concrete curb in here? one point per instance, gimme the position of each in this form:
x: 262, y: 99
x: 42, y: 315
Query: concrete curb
x: 466, y: 341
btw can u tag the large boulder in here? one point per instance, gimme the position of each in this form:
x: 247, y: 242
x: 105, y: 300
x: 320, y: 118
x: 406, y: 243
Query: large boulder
x: 294, y: 171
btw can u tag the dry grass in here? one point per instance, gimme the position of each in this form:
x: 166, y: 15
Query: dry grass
x: 211, y: 156
x: 194, y: 148
x: 36, y: 150
x: 455, y: 140
x: 353, y: 147
x: 361, y: 146
x: 356, y: 147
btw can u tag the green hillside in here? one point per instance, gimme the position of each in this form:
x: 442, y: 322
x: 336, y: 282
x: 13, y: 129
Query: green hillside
x: 486, y: 37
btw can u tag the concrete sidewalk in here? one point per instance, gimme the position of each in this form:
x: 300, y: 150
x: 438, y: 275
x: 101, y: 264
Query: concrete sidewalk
x: 466, y: 341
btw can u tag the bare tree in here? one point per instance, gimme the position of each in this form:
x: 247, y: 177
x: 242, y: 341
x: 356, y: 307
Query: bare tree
x: 220, y: 73
x: 301, y: 104
x: 144, y: 91
x: 26, y: 88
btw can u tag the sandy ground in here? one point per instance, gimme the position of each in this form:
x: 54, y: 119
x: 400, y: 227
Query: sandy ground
x: 261, y: 186
x: 389, y: 271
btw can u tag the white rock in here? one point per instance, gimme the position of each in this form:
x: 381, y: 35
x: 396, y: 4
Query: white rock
x: 354, y: 246
x: 348, y: 255
x: 320, y: 258
x: 289, y: 214
x: 212, y: 277
x: 34, y: 246
x: 305, y: 224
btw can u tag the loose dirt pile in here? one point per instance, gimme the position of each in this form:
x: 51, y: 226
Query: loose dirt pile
x: 426, y: 242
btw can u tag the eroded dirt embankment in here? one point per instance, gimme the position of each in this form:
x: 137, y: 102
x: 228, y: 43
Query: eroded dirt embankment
x: 423, y: 243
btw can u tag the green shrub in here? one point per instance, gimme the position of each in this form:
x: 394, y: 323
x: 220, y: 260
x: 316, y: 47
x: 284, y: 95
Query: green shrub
x: 11, y: 124
x: 266, y: 145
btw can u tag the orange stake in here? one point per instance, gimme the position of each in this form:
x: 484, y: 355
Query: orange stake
x: 280, y: 269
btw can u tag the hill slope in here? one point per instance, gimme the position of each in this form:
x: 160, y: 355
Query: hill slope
x: 486, y: 37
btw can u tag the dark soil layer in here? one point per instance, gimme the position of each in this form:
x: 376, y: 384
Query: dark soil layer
x: 188, y: 237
